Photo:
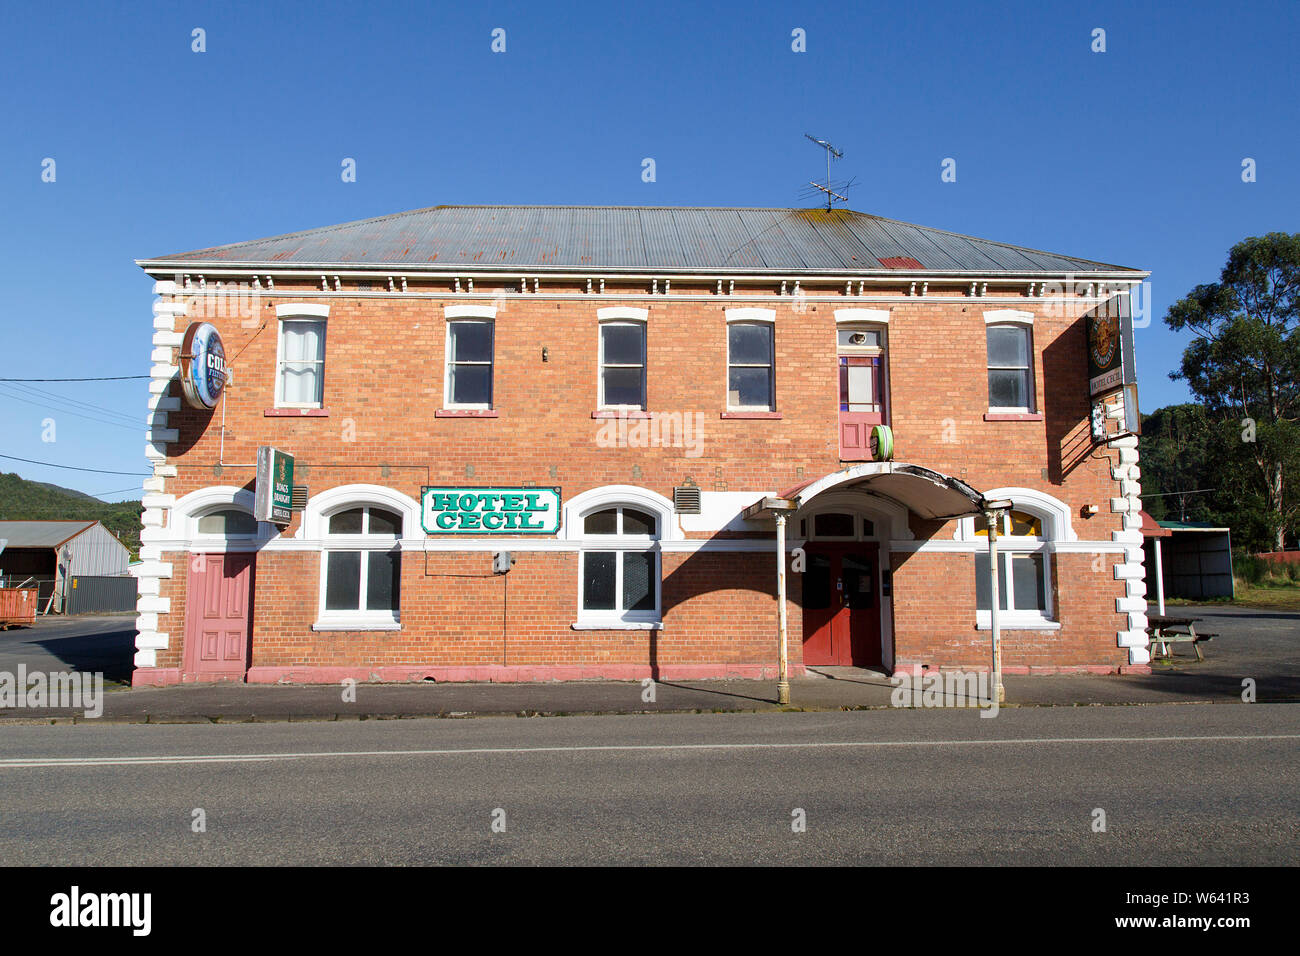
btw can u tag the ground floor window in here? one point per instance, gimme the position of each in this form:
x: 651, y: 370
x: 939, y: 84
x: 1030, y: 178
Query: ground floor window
x: 619, y: 581
x: 361, y: 569
x: 1022, y: 583
x: 618, y: 578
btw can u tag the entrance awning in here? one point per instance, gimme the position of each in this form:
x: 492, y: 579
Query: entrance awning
x: 927, y: 493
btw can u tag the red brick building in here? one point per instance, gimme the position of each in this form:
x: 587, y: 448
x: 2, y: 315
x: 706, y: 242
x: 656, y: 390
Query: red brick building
x: 625, y: 400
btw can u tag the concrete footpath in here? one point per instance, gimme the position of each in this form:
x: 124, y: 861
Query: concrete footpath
x: 1259, y: 646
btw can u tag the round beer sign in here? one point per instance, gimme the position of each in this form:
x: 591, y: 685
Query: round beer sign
x: 203, y: 365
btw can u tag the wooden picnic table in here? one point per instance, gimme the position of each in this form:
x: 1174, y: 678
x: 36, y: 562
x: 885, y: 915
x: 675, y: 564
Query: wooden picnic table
x: 1167, y: 629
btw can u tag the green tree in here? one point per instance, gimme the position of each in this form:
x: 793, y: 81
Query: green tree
x: 1175, y: 451
x: 1244, y: 367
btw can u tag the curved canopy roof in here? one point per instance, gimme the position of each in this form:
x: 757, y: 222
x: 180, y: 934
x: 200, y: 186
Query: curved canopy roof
x: 927, y: 493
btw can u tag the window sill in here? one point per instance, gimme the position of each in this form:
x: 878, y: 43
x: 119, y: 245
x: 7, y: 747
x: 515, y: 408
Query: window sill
x: 754, y: 414
x: 296, y: 413
x: 357, y: 624
x: 610, y: 625
x: 621, y: 413
x: 466, y: 413
x: 1013, y: 416
x: 1011, y: 622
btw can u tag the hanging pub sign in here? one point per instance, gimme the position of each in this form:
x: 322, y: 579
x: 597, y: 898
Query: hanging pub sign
x: 490, y: 510
x: 1110, y: 347
x: 203, y: 365
x: 273, y: 490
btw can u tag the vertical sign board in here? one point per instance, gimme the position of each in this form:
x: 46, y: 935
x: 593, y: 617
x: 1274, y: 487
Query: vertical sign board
x: 273, y: 494
x: 490, y: 510
x: 1111, y: 363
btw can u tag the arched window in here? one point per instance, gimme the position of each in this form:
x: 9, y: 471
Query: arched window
x: 227, y: 523
x: 1024, y: 570
x: 618, y: 576
x: 361, y: 568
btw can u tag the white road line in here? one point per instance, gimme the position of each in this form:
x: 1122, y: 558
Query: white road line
x: 59, y: 762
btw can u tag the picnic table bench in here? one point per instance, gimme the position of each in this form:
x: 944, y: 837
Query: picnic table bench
x: 1167, y: 631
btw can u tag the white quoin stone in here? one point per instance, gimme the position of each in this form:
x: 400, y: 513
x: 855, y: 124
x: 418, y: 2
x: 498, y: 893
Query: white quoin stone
x: 147, y: 657
x: 164, y: 287
x: 1124, y: 572
x: 161, y: 436
x: 146, y: 622
x: 161, y: 356
x: 155, y: 452
x: 153, y: 569
x: 169, y: 339
x: 164, y: 403
x: 150, y: 552
x: 1132, y: 638
x: 166, y: 322
x: 1128, y: 456
x: 158, y: 501
x: 1130, y: 604
x: 1125, y: 441
x: 1137, y: 621
x: 149, y: 586
x: 1127, y: 537
x: 151, y: 640
x: 1139, y: 655
x: 164, y: 471
x: 170, y: 308
x: 153, y: 518
x: 150, y: 602
x: 1132, y: 520
x: 1135, y: 587
x: 1130, y: 489
x: 163, y: 371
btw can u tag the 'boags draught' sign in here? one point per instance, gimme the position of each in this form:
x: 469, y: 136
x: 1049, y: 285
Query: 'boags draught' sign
x: 490, y: 510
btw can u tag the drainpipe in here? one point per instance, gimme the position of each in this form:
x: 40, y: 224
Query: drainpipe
x: 783, y: 662
x: 993, y: 515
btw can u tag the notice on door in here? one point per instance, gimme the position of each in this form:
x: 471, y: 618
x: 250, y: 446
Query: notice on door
x: 490, y: 510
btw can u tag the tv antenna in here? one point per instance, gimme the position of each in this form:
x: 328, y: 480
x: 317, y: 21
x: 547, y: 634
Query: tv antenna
x: 828, y: 189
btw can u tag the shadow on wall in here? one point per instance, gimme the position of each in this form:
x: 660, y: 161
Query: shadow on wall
x: 1066, y: 407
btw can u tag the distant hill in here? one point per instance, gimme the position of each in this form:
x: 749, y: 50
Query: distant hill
x: 23, y: 500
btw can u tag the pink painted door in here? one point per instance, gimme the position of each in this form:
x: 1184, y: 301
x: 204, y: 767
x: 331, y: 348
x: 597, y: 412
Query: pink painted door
x: 217, y: 619
x: 862, y: 404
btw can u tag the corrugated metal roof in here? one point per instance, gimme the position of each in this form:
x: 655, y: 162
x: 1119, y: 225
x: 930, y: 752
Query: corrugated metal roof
x: 40, y: 534
x: 637, y: 239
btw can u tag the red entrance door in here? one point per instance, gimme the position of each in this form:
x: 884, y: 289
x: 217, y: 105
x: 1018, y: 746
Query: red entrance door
x: 841, y: 609
x: 217, y: 620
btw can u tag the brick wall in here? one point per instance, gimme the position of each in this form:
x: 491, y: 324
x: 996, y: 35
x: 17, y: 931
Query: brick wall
x: 384, y: 381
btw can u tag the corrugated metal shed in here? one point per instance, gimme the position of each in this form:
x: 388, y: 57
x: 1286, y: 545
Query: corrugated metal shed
x: 637, y: 239
x: 41, y: 534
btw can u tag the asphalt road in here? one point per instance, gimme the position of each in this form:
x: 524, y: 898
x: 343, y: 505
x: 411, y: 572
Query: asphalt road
x: 1179, y: 785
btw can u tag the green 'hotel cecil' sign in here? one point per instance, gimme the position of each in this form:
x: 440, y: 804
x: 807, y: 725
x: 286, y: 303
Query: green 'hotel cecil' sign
x: 490, y: 510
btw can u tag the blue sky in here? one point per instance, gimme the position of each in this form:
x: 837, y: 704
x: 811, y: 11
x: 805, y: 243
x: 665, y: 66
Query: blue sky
x: 1132, y: 156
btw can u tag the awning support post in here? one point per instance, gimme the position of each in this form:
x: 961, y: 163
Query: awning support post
x: 995, y: 598
x: 783, y: 663
x: 1160, y: 580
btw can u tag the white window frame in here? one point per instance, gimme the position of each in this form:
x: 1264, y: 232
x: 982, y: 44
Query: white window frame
x: 448, y: 402
x: 573, y: 529
x: 622, y: 316
x: 767, y: 317
x: 1011, y: 318
x: 1010, y: 618
x: 620, y: 544
x: 299, y: 312
x: 357, y: 619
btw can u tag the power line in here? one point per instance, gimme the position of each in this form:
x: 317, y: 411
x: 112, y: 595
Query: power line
x: 105, y: 378
x: 46, y: 404
x: 98, y: 471
x: 56, y: 400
